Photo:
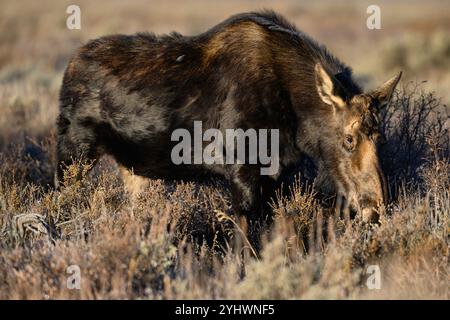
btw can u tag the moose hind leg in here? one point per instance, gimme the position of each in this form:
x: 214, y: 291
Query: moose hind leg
x: 76, y: 145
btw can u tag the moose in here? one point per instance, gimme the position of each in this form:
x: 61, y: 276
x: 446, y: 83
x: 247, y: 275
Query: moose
x: 124, y: 95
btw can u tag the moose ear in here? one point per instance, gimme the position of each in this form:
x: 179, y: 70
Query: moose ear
x: 383, y: 94
x: 328, y: 87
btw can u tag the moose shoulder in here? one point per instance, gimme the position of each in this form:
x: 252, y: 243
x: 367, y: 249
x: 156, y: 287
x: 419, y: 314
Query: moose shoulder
x: 126, y: 95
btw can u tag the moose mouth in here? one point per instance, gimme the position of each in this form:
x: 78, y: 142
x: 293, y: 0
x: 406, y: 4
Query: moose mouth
x: 368, y: 214
x: 366, y: 208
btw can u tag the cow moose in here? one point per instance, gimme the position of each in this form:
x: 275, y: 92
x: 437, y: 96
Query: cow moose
x: 124, y: 95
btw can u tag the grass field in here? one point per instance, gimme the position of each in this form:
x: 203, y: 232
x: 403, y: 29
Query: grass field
x: 161, y: 240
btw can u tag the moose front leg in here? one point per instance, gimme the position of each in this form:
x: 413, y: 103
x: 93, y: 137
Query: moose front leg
x: 246, y: 201
x: 269, y: 187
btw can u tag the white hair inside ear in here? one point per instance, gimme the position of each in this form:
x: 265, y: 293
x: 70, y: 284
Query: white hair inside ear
x: 325, y: 87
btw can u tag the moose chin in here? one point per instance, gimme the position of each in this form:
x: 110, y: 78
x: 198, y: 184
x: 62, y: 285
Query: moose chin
x: 125, y: 95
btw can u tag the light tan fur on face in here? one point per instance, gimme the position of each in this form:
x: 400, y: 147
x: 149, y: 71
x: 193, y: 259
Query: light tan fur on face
x: 366, y: 168
x: 353, y: 126
x: 355, y: 176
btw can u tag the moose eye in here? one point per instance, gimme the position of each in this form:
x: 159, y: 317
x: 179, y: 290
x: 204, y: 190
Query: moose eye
x: 349, y: 139
x: 349, y: 142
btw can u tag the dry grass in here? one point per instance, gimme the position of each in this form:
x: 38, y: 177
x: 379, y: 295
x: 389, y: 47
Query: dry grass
x: 162, y: 240
x: 170, y: 243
